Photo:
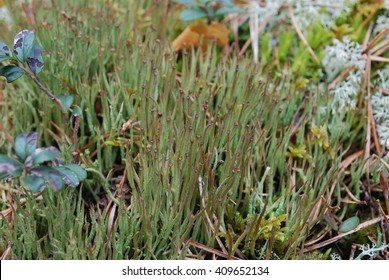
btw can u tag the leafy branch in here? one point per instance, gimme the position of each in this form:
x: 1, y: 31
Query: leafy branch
x: 26, y: 58
x: 39, y: 167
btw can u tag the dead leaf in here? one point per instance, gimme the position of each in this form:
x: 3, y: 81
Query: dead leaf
x: 193, y: 35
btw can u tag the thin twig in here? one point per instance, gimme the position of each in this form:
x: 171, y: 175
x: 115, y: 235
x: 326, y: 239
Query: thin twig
x: 7, y: 135
x: 7, y: 251
x: 376, y: 39
x: 377, y: 50
x: 211, y: 250
x: 45, y: 90
x: 342, y: 167
x: 336, y: 238
x: 379, y: 58
x: 301, y: 35
x: 341, y: 77
x: 374, y: 129
x: 200, y: 181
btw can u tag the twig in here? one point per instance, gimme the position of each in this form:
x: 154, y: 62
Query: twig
x: 301, y: 35
x: 61, y: 131
x: 211, y: 250
x: 7, y: 135
x: 260, y: 27
x: 200, y: 181
x: 384, y: 91
x: 45, y: 90
x: 336, y: 238
x: 342, y: 167
x: 341, y: 77
x: 368, y: 19
x: 375, y: 40
x: 379, y: 58
x: 7, y: 251
x: 373, y: 129
x: 366, y: 83
x: 380, y: 48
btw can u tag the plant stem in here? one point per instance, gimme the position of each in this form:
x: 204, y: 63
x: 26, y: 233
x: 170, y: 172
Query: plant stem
x: 45, y: 90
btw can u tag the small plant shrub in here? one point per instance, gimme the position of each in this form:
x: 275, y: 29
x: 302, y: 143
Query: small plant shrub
x: 39, y: 167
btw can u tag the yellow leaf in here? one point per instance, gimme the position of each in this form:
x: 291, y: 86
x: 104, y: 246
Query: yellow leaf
x: 114, y: 143
x: 193, y: 35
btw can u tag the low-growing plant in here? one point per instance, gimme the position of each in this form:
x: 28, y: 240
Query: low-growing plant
x: 39, y: 167
x: 26, y: 58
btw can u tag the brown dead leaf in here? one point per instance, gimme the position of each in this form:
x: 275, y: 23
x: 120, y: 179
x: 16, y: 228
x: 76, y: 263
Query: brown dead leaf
x: 193, y: 35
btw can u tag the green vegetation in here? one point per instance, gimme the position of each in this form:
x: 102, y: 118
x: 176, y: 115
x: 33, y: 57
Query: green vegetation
x: 196, y: 154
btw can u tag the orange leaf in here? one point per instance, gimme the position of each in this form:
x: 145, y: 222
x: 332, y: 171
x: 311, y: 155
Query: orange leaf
x: 192, y: 36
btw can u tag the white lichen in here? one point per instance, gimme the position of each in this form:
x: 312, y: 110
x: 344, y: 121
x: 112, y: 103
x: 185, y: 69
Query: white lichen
x: 341, y: 55
x: 371, y: 251
x: 346, y: 92
x: 380, y: 104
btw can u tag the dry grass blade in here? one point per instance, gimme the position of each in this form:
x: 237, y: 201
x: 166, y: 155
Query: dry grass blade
x: 374, y: 129
x: 380, y: 48
x: 7, y: 251
x: 211, y: 226
x: 342, y: 167
x: 340, y: 78
x: 384, y: 91
x: 62, y: 132
x: 7, y: 135
x: 5, y: 213
x: 379, y: 58
x: 340, y: 236
x: 366, y: 85
x: 368, y: 61
x: 211, y: 250
x: 301, y: 35
x: 257, y: 28
x: 350, y: 194
x: 386, y: 218
x: 385, y: 185
x: 318, y: 238
x: 375, y: 40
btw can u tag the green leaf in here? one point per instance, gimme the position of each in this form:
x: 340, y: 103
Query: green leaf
x: 349, y: 224
x: 23, y: 44
x: 68, y: 176
x: 25, y: 144
x: 34, y: 183
x: 11, y: 72
x: 189, y: 3
x: 5, y: 52
x: 188, y: 15
x: 81, y: 173
x: 226, y: 2
x: 52, y: 176
x: 35, y: 60
x: 9, y: 167
x: 229, y: 10
x: 41, y: 155
x: 66, y: 101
